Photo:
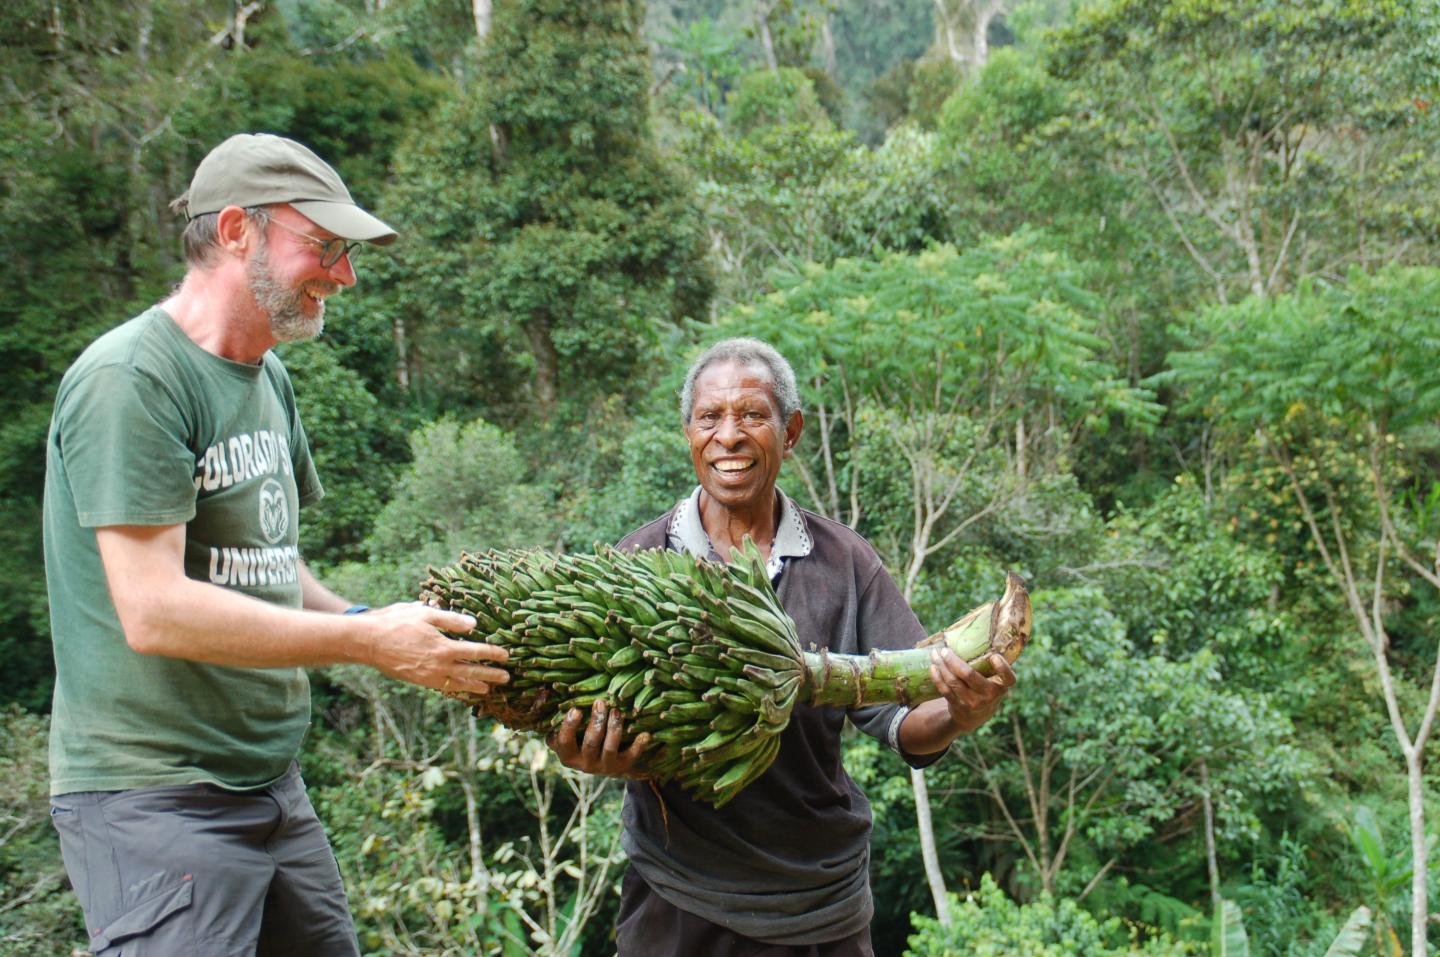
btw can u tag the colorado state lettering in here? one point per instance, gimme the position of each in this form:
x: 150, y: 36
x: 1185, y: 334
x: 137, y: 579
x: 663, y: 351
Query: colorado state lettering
x: 240, y: 458
x: 254, y: 567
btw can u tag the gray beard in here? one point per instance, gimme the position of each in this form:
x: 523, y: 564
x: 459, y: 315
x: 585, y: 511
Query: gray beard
x: 288, y: 322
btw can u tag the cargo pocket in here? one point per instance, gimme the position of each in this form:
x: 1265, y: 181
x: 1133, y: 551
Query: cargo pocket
x: 157, y: 907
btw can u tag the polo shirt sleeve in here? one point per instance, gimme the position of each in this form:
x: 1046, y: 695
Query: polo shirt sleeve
x: 121, y: 436
x: 884, y: 622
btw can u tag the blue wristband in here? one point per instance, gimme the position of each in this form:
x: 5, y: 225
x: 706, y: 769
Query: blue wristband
x: 357, y: 609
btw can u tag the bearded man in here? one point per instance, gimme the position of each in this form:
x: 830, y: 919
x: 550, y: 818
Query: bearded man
x: 783, y: 869
x: 181, y: 612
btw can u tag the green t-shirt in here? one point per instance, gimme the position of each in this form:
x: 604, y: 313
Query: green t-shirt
x: 150, y: 429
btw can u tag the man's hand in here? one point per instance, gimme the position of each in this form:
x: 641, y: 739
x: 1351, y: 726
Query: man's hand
x: 599, y: 751
x: 972, y: 698
x: 411, y: 648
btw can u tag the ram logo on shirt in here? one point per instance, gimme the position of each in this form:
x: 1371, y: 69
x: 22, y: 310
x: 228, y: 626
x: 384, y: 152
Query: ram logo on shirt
x: 274, y: 511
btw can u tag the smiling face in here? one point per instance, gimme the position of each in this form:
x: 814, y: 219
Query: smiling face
x: 737, y: 436
x: 287, y: 280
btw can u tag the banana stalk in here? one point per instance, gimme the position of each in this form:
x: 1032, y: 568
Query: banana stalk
x: 699, y: 654
x: 996, y: 627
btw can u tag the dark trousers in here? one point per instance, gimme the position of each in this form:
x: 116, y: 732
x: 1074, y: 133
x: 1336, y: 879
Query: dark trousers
x: 195, y: 870
x: 651, y: 926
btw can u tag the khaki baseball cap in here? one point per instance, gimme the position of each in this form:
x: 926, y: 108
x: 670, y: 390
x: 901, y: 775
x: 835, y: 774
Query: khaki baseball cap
x: 257, y: 169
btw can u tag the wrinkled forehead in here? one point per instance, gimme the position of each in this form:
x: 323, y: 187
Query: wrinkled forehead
x: 729, y: 379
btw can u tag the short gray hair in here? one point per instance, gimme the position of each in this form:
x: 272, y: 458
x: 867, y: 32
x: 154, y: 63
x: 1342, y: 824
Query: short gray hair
x: 201, y: 238
x: 745, y: 352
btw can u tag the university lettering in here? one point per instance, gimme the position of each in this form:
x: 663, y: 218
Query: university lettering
x: 254, y: 567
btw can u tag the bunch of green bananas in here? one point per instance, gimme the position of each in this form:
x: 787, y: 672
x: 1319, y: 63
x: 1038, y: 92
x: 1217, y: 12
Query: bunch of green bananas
x: 697, y: 653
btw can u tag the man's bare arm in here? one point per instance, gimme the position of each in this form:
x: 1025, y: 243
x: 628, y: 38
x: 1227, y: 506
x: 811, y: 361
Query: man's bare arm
x: 968, y: 699
x: 164, y: 612
x: 315, y: 596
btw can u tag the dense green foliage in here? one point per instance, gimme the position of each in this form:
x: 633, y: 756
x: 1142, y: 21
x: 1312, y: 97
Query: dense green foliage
x: 1145, y: 306
x: 988, y: 924
x: 549, y: 237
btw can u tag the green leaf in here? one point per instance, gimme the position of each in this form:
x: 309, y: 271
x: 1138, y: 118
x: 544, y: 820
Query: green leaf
x: 1227, y: 937
x: 1365, y: 834
x: 1352, y: 938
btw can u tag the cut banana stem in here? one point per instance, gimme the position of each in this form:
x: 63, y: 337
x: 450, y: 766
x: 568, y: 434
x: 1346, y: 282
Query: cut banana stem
x: 903, y: 677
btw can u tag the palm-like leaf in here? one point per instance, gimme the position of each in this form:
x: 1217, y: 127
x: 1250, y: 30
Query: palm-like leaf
x: 1351, y: 939
x: 1227, y: 937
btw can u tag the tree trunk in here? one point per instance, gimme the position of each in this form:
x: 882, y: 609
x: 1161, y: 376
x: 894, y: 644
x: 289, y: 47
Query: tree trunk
x: 945, y: 34
x: 927, y: 847
x: 402, y: 354
x: 237, y: 30
x: 547, y: 361
x: 1419, y: 876
x: 1210, y: 858
x: 962, y: 29
x: 499, y: 146
x: 481, y: 10
x: 1242, y: 187
x: 980, y: 38
x: 1020, y: 446
x: 767, y: 42
x: 142, y: 42
x: 478, y: 872
x: 925, y: 827
x: 827, y: 44
x: 240, y: 20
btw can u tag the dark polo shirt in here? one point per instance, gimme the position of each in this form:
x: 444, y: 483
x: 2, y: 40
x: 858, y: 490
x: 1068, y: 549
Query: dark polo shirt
x: 786, y: 861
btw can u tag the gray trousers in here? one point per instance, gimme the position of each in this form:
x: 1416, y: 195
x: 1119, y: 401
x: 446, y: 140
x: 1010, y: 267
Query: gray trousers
x: 198, y: 870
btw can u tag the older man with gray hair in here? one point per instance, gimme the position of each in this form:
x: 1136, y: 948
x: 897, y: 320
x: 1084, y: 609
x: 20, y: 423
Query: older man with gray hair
x: 783, y: 869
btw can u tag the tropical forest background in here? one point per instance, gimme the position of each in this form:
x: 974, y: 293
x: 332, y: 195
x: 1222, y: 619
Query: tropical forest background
x: 1138, y: 298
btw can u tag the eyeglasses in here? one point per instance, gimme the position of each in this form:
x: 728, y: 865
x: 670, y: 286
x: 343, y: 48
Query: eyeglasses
x: 331, y: 250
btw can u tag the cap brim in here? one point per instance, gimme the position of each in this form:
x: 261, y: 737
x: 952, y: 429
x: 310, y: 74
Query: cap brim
x: 345, y: 220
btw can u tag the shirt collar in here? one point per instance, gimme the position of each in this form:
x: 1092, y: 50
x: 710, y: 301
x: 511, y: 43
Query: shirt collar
x: 792, y: 538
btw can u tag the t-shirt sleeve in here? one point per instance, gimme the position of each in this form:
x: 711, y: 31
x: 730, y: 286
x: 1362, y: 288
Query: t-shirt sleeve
x: 122, y: 438
x: 884, y: 622
x: 307, y: 478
